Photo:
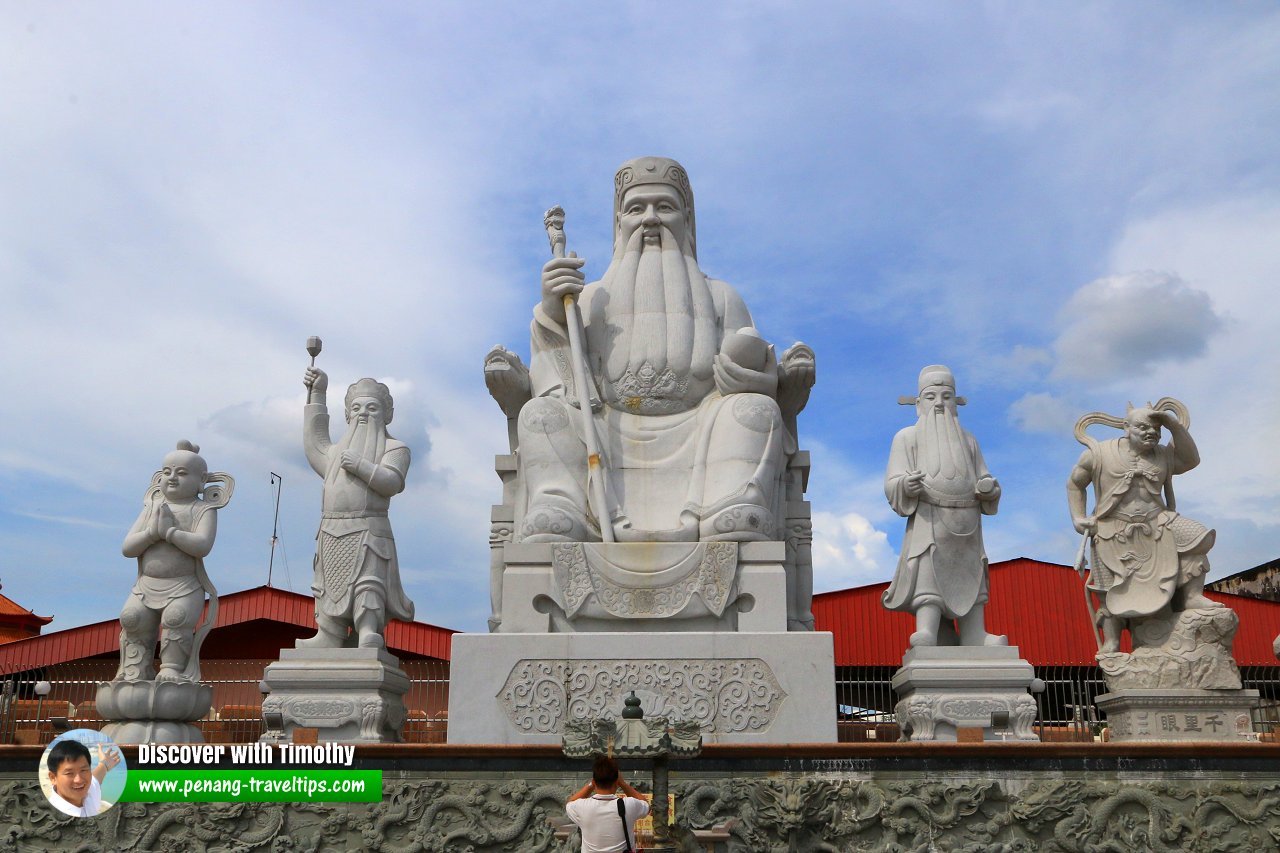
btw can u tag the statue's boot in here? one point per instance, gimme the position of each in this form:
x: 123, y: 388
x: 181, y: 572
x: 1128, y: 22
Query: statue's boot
x: 738, y: 518
x: 928, y: 618
x: 332, y: 635
x: 1193, y: 597
x: 370, y: 621
x: 1110, y: 635
x: 973, y: 629
x: 549, y: 522
x: 175, y: 653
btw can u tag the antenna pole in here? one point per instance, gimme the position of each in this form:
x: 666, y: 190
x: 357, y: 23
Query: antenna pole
x: 278, y: 482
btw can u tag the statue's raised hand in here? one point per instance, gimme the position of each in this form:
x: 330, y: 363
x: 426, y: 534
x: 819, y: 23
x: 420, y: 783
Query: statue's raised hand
x: 507, y: 379
x: 316, y: 380
x: 561, y: 277
x: 913, y: 483
x: 797, y: 373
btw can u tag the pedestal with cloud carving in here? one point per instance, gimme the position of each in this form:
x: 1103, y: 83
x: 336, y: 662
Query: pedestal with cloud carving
x: 702, y: 636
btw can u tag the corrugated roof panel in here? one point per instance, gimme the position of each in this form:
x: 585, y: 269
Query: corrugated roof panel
x: 233, y: 609
x: 1039, y: 605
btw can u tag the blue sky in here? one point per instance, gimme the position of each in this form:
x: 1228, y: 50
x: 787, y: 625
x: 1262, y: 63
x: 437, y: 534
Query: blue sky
x: 1071, y: 204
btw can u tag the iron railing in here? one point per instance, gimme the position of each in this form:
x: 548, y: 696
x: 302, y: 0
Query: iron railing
x: 236, y: 713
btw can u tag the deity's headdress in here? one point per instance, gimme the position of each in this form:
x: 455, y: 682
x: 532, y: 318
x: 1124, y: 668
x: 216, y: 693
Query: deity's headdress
x: 936, y: 374
x: 370, y: 388
x: 655, y: 170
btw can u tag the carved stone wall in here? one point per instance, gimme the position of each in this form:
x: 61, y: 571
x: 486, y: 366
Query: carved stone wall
x: 834, y: 806
x: 724, y: 695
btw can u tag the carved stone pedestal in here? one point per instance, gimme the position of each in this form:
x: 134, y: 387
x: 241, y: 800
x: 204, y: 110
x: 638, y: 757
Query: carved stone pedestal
x: 350, y: 695
x: 1178, y: 714
x: 741, y: 688
x: 153, y: 711
x: 943, y: 688
x: 651, y: 586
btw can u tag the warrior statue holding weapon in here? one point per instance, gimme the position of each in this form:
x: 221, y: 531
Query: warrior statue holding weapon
x: 652, y: 409
x: 1149, y: 562
x: 357, y: 574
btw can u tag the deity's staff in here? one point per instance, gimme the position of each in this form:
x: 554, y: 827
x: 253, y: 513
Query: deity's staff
x: 553, y: 220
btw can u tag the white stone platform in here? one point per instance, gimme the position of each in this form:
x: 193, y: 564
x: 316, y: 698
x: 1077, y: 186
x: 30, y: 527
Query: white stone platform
x: 1182, y: 714
x: 942, y: 688
x: 746, y: 688
x: 349, y: 695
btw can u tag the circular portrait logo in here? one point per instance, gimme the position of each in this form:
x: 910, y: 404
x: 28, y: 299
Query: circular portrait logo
x: 82, y: 773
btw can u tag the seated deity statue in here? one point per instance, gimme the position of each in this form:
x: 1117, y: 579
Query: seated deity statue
x: 693, y: 413
x: 1150, y: 561
x: 938, y: 480
x: 170, y: 540
x: 357, y: 575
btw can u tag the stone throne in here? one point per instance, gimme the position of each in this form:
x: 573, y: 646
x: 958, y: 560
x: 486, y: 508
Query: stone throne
x: 569, y: 587
x: 720, y: 632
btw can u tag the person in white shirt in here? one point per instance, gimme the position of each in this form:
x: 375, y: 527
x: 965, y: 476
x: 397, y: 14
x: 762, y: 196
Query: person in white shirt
x: 77, y: 789
x: 594, y: 808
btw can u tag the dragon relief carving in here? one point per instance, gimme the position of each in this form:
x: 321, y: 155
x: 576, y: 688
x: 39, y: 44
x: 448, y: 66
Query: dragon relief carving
x: 791, y: 814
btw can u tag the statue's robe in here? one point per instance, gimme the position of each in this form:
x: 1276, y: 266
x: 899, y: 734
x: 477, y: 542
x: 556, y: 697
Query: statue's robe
x: 355, y: 549
x: 671, y: 441
x: 1143, y: 550
x: 943, y: 561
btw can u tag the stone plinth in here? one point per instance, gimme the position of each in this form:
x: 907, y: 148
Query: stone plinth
x: 349, y: 695
x: 680, y: 586
x: 153, y: 711
x: 1178, y: 714
x: 745, y: 688
x: 942, y: 688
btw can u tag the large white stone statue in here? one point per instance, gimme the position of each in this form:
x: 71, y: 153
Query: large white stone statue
x: 1148, y: 572
x: 343, y: 681
x: 653, y: 533
x: 686, y: 394
x: 955, y: 675
x: 170, y: 539
x: 938, y: 480
x: 357, y: 576
x: 173, y: 534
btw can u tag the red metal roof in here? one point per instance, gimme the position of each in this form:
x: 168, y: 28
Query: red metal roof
x: 1039, y: 605
x: 265, y: 603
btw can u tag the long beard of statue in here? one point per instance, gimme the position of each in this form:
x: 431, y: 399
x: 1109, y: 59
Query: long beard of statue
x: 366, y: 439
x: 659, y: 311
x: 944, y: 453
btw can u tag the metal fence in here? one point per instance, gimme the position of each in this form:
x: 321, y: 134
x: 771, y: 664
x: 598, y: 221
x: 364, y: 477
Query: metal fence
x: 1065, y: 710
x: 236, y: 713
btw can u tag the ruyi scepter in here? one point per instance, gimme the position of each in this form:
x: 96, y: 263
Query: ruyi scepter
x: 553, y: 220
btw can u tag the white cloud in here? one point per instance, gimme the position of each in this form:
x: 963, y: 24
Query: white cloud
x: 1043, y: 412
x: 1132, y: 322
x: 849, y: 551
